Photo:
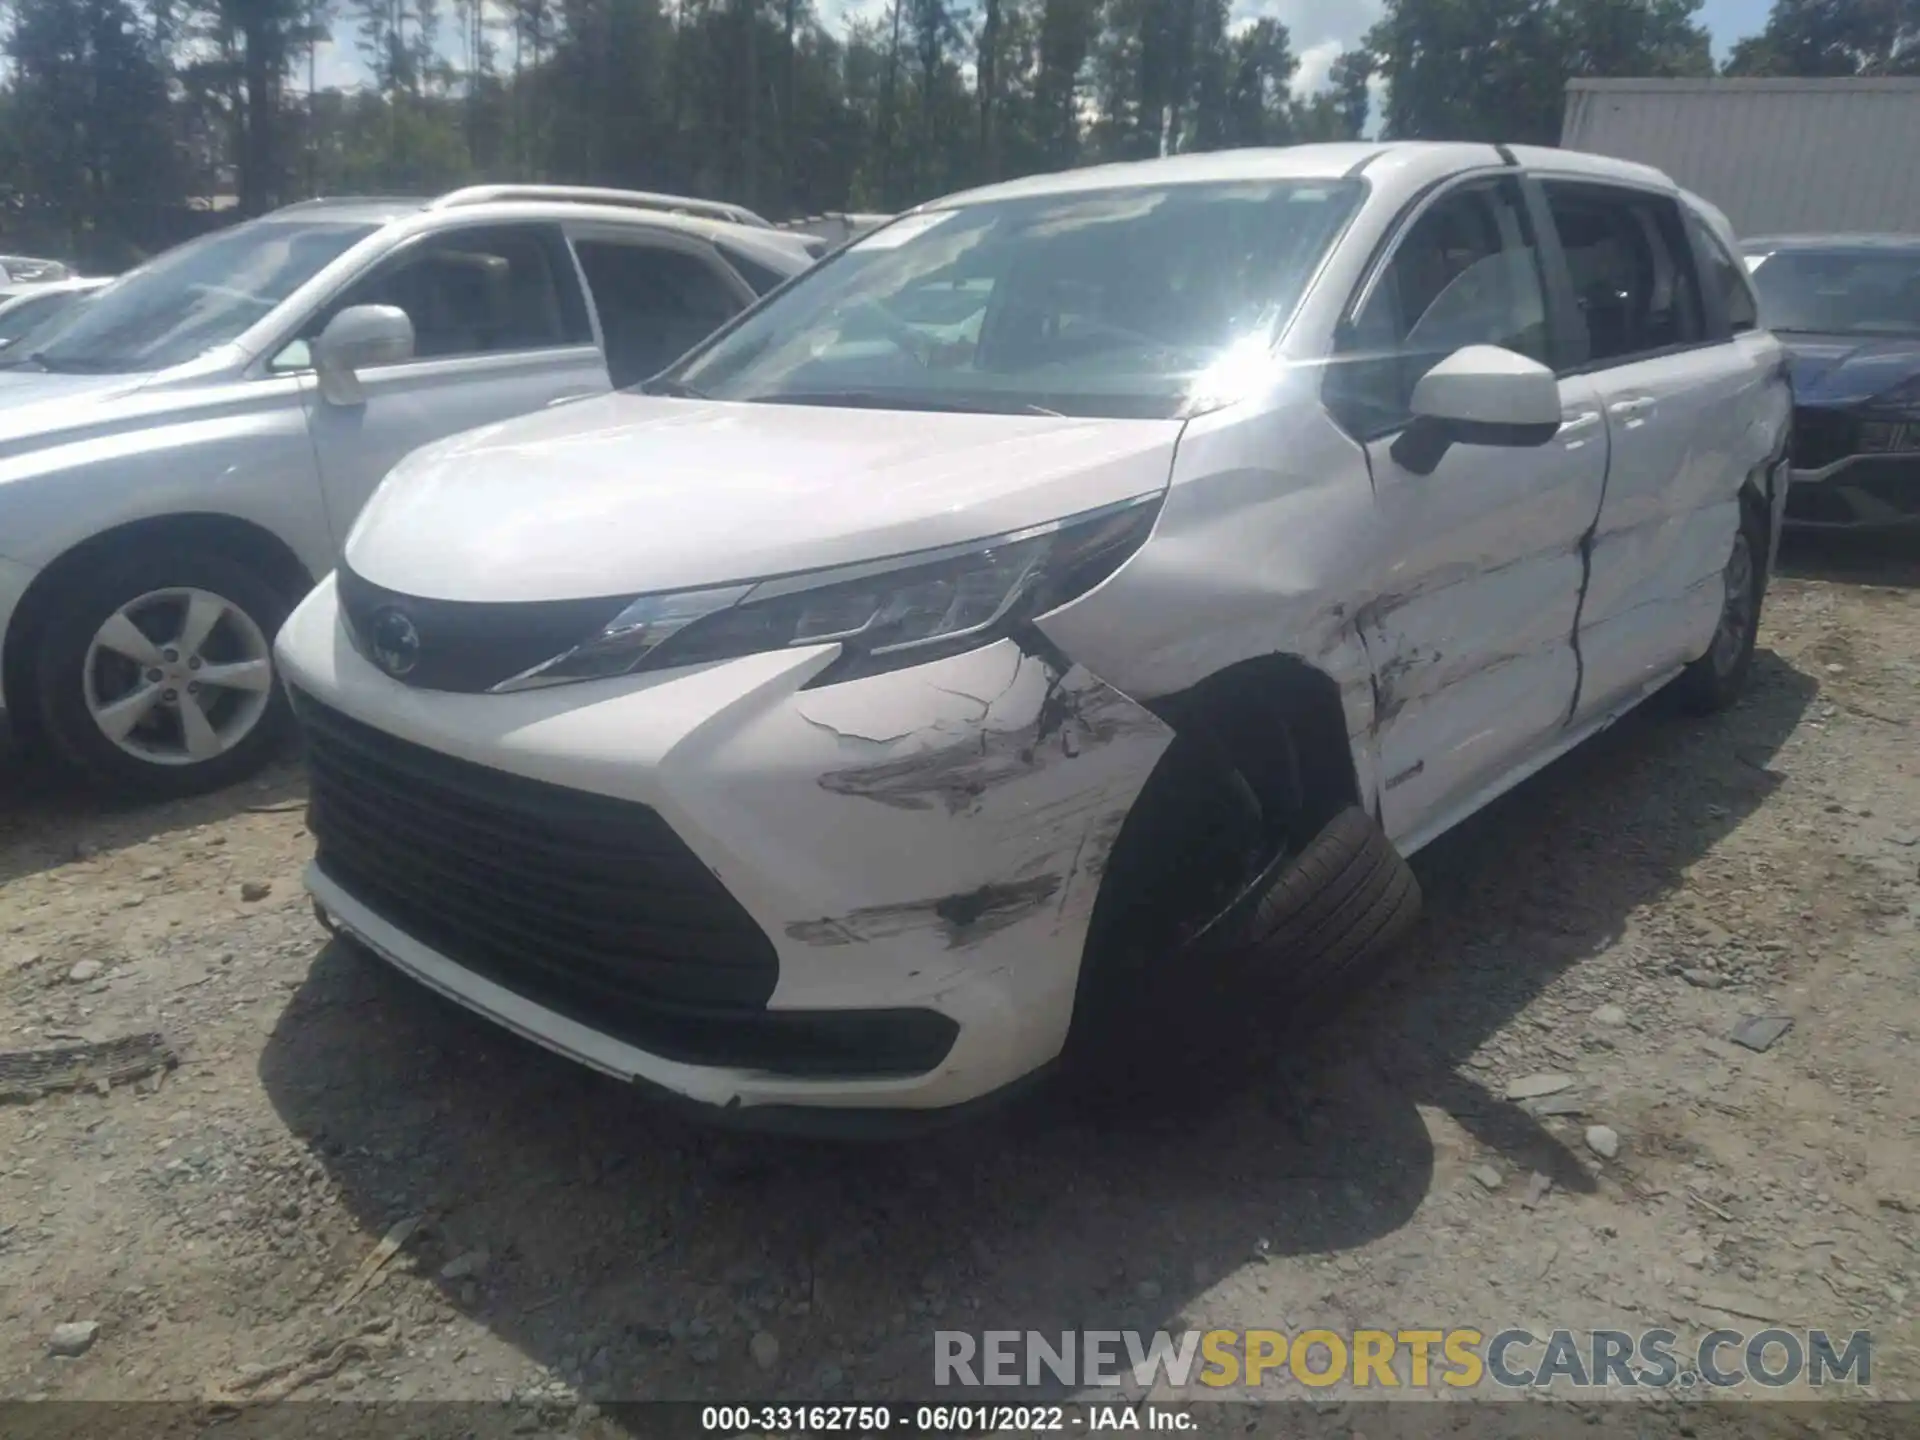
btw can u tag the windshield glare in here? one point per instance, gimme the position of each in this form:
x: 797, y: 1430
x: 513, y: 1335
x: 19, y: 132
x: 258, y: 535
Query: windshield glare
x: 1108, y: 303
x: 197, y: 296
x: 1839, y: 292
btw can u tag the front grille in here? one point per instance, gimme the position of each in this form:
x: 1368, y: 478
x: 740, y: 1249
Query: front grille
x: 587, y: 905
x: 471, y: 646
x: 1820, y: 437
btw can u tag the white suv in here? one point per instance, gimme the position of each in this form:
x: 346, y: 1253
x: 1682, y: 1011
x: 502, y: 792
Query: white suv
x: 1073, y: 597
x: 182, y: 455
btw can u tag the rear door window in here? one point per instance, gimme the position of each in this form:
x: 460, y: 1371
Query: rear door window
x: 1632, y: 269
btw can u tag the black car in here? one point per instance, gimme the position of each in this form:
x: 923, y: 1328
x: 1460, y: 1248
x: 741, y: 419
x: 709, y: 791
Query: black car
x: 1847, y: 307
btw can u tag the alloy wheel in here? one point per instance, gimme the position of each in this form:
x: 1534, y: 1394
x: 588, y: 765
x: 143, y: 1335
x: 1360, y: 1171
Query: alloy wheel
x: 178, y: 676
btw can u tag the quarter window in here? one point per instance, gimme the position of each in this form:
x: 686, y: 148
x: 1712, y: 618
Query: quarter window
x: 763, y: 278
x: 655, y: 304
x: 1466, y: 272
x: 1631, y: 267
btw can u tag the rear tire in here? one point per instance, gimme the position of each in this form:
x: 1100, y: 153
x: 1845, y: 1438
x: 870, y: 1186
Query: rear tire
x: 155, y: 633
x: 1715, y: 680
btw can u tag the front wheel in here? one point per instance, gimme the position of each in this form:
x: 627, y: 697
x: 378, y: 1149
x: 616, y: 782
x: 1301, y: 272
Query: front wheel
x: 156, y: 674
x: 1715, y: 680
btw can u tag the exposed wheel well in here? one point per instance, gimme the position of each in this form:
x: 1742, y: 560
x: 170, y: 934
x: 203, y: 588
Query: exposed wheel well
x: 239, y: 540
x: 1278, y: 720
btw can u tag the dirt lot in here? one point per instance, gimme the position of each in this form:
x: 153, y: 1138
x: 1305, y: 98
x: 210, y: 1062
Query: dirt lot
x: 1611, y: 922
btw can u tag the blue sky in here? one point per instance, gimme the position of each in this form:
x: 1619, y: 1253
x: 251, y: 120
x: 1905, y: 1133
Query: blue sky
x: 1321, y: 29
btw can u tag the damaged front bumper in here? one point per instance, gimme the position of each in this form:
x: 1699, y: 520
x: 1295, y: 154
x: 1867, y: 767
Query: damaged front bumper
x: 918, y: 853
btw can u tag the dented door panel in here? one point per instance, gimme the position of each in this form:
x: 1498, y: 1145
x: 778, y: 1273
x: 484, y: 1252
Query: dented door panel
x: 1443, y: 605
x: 1682, y: 446
x: 1628, y: 648
x: 1471, y: 632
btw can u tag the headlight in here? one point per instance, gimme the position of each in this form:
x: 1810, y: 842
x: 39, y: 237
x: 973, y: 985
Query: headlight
x: 884, y: 614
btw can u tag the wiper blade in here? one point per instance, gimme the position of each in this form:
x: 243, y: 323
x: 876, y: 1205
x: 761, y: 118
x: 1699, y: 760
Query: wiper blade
x: 876, y: 400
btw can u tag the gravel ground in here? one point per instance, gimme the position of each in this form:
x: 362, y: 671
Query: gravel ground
x: 1610, y: 922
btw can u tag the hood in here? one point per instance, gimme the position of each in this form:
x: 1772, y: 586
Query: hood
x: 1835, y: 371
x: 629, y: 493
x: 33, y: 402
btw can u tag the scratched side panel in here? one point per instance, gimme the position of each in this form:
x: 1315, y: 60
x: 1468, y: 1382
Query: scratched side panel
x: 1474, y: 673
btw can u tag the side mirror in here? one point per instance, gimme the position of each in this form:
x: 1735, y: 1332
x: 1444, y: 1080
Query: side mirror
x: 359, y: 337
x: 1479, y: 395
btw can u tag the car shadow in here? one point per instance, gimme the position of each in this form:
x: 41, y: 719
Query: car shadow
x: 48, y: 818
x: 636, y: 1253
x: 1888, y: 560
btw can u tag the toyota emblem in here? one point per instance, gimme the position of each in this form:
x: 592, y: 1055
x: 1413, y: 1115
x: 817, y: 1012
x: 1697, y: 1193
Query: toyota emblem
x: 394, y: 641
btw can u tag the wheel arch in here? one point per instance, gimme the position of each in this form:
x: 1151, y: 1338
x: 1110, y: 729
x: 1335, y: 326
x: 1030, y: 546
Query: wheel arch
x: 1270, y: 731
x: 242, y: 541
x: 1271, y: 728
x: 1241, y: 709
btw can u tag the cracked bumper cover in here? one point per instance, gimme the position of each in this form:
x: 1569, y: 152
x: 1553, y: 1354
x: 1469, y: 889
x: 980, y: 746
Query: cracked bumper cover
x: 929, y: 839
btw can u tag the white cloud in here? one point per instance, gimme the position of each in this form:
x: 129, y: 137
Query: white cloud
x: 1315, y: 63
x: 1320, y: 30
x: 335, y: 67
x: 836, y: 13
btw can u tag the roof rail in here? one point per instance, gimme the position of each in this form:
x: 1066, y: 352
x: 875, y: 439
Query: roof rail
x: 592, y: 195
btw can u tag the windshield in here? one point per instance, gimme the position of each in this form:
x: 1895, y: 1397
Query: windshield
x: 200, y: 295
x: 1839, y: 292
x: 30, y: 312
x: 1108, y: 303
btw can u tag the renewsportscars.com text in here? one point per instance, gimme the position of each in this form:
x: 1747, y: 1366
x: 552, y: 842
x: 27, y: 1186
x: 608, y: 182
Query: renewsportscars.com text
x: 1460, y: 1358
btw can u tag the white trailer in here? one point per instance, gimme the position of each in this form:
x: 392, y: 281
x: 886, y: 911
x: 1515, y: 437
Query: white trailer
x: 1779, y: 156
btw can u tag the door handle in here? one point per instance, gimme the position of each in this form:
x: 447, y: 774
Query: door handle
x: 1573, y: 427
x: 1638, y: 405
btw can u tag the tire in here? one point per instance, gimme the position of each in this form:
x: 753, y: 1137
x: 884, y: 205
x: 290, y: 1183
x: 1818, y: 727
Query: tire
x: 1309, y: 931
x: 1324, y: 919
x: 153, y: 598
x: 1715, y: 680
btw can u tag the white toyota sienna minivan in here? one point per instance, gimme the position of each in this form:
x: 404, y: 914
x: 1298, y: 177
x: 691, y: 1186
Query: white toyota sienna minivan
x: 1074, y: 598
